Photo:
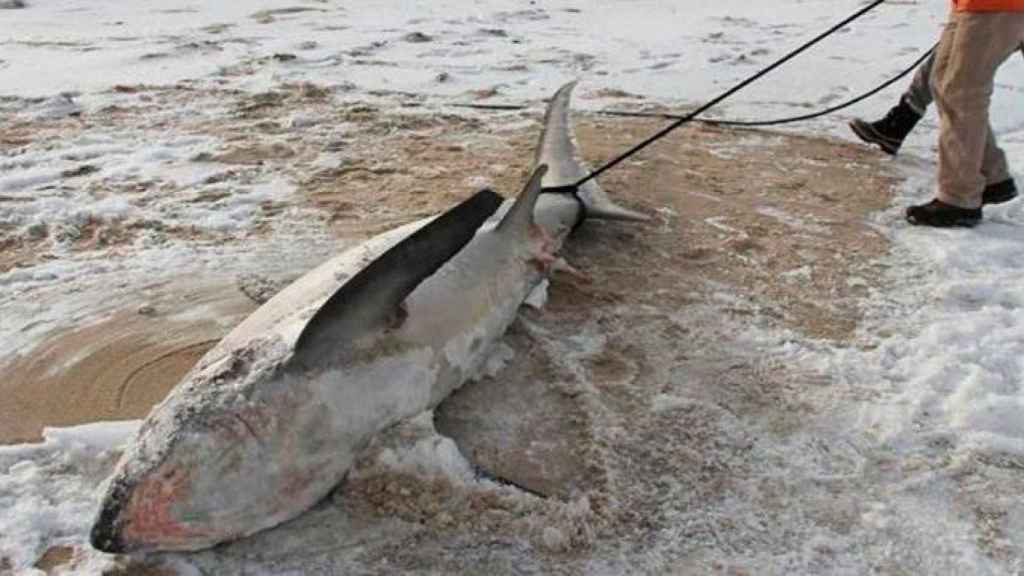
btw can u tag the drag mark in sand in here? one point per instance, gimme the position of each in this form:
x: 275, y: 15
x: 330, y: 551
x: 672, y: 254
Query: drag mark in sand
x: 191, y: 351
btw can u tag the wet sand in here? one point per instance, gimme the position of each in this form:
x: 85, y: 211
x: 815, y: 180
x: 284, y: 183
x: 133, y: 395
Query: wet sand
x: 117, y: 367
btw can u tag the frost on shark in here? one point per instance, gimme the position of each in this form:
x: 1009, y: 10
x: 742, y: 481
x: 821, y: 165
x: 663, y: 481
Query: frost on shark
x: 271, y: 419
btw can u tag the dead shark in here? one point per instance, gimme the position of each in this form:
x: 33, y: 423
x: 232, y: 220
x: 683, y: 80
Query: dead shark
x: 270, y: 420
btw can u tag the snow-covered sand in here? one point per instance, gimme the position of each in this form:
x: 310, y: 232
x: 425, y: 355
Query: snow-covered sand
x: 904, y: 453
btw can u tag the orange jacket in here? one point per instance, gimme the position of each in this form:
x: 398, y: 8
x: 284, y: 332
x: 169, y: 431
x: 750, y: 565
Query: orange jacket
x: 989, y: 5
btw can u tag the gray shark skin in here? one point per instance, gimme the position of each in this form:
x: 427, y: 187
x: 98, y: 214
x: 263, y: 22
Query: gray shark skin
x: 270, y: 421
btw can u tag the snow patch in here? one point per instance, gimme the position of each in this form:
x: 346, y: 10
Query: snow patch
x: 429, y: 457
x: 539, y: 297
x: 496, y: 361
x: 47, y: 491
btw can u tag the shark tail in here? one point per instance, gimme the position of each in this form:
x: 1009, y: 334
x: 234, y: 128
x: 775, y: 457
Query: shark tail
x: 559, y: 151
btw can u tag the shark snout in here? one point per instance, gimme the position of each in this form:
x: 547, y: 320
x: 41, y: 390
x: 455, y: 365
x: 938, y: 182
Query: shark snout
x: 108, y: 531
x: 105, y: 535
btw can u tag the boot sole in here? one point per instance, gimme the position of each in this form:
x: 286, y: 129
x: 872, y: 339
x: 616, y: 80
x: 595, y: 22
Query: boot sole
x: 865, y: 132
x: 1001, y: 199
x: 943, y: 222
x: 958, y: 223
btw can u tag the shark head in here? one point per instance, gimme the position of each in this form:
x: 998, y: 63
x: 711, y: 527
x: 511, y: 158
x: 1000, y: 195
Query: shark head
x: 224, y: 474
x: 230, y: 452
x: 258, y: 433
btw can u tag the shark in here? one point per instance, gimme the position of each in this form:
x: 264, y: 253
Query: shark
x: 271, y: 419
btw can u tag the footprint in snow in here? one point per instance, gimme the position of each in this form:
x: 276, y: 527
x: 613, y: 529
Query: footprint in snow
x: 418, y: 38
x: 739, y: 22
x: 528, y: 15
x: 493, y: 32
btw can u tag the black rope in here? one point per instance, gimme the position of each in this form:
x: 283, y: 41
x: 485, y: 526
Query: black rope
x: 689, y: 117
x: 748, y: 123
x: 791, y: 119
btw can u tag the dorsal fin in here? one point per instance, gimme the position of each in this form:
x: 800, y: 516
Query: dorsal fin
x: 372, y: 297
x: 520, y: 216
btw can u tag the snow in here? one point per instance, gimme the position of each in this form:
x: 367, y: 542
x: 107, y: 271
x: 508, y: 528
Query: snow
x: 539, y: 297
x: 951, y: 362
x: 938, y: 375
x: 429, y: 456
x: 99, y: 436
x: 46, y: 490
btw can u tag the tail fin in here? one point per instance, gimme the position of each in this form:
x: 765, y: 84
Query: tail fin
x: 557, y: 149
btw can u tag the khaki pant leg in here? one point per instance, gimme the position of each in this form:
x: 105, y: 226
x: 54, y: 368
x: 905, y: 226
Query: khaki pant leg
x: 943, y: 53
x: 919, y: 94
x: 973, y: 47
x: 994, y: 167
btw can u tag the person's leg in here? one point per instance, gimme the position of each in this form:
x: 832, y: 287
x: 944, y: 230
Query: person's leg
x: 919, y: 94
x: 994, y: 166
x: 968, y: 152
x: 890, y: 132
x: 973, y: 47
x: 999, y: 184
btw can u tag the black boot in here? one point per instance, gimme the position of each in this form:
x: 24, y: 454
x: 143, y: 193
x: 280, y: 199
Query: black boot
x: 941, y: 215
x: 889, y: 132
x: 999, y: 192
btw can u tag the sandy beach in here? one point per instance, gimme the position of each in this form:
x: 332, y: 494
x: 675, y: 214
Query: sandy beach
x: 775, y: 375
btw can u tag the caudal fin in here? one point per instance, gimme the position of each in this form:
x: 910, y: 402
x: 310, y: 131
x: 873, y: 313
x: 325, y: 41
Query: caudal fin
x: 558, y: 150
